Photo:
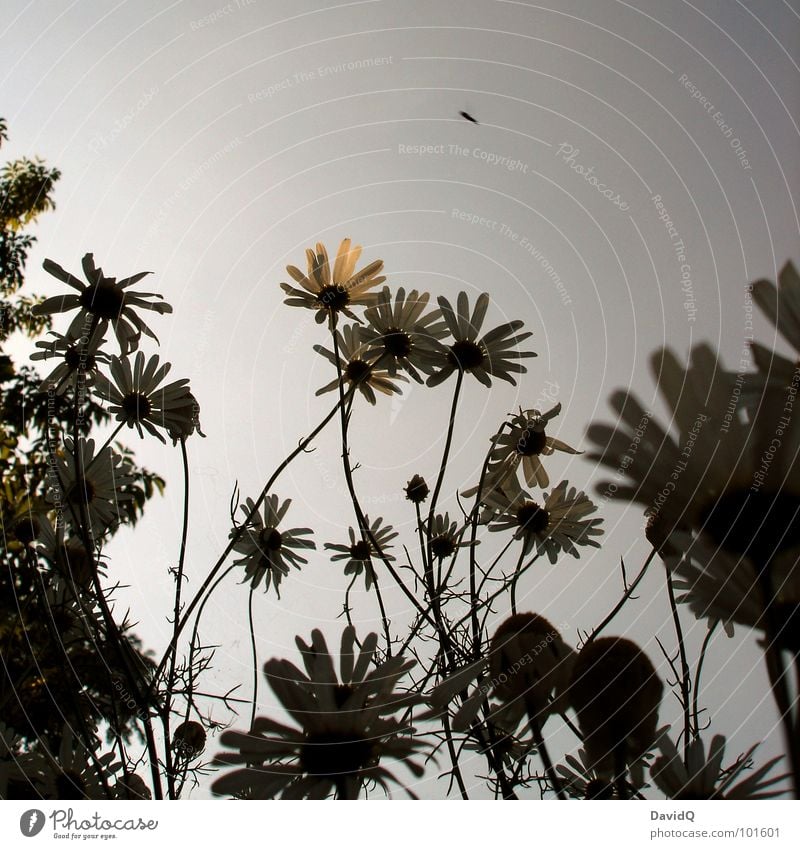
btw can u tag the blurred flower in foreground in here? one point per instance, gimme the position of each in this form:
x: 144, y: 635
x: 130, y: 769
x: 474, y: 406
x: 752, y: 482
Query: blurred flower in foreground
x: 781, y: 305
x: 359, y: 552
x: 705, y: 778
x: 136, y: 399
x: 723, y: 499
x: 267, y: 552
x: 331, y: 293
x: 493, y: 355
x: 346, y: 728
x: 528, y: 670
x: 358, y: 368
x: 73, y: 772
x: 104, y: 300
x: 403, y: 334
x: 556, y: 524
x: 616, y: 694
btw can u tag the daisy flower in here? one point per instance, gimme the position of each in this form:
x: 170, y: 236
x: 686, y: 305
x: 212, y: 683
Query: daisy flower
x: 781, y: 305
x: 444, y: 537
x: 99, y: 488
x: 580, y: 781
x: 492, y: 355
x: 346, y: 727
x: 107, y: 300
x: 417, y: 489
x: 182, y: 419
x: 556, y: 524
x: 76, y: 354
x: 136, y: 398
x: 403, y: 334
x: 705, y: 778
x: 331, y: 293
x: 523, y: 444
x: 732, y: 484
x: 616, y: 694
x: 72, y: 772
x: 359, y: 552
x: 358, y: 367
x: 267, y: 553
x: 723, y: 587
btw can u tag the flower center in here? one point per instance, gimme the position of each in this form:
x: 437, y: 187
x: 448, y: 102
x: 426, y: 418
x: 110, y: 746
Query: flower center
x: 331, y: 754
x: 442, y: 546
x: 82, y: 491
x: 759, y: 525
x: 360, y: 551
x: 531, y: 442
x: 341, y: 694
x: 75, y: 360
x: 466, y: 355
x: 105, y: 300
x: 136, y: 406
x: 333, y: 297
x: 270, y: 539
x: 397, y: 342
x: 357, y: 370
x: 532, y: 518
x: 26, y: 529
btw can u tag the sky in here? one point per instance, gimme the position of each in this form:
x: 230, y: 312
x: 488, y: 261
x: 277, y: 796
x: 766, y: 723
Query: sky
x: 634, y: 165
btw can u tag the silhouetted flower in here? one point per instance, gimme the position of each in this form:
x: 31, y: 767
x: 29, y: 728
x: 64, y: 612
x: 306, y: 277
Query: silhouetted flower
x: 417, y: 490
x: 333, y: 292
x: 522, y: 445
x: 92, y: 482
x: 359, y: 552
x: 107, y: 300
x: 402, y: 334
x: 132, y: 788
x: 706, y: 778
x: 266, y: 551
x: 556, y: 524
x: 182, y: 419
x: 357, y: 367
x: 493, y: 355
x: 444, y: 537
x: 346, y: 728
x: 781, y: 305
x: 136, y: 399
x: 724, y: 498
x: 189, y: 739
x: 72, y: 772
x: 616, y: 694
x: 580, y: 781
x: 76, y: 353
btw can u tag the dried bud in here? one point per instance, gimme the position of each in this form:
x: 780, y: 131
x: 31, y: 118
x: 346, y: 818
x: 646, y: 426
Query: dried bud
x: 616, y: 693
x: 189, y: 739
x: 416, y: 489
x: 528, y: 660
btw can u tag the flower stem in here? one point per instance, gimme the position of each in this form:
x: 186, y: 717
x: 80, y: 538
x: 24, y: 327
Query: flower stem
x: 685, y: 679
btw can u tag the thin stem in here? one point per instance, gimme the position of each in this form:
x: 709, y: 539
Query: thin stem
x: 696, y: 687
x: 685, y: 677
x: 514, y: 581
x: 628, y: 593
x: 235, y: 537
x: 170, y: 683
x: 541, y: 748
x: 254, y: 654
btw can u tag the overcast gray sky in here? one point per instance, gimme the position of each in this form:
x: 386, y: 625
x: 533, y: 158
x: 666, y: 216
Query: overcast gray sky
x: 212, y: 143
